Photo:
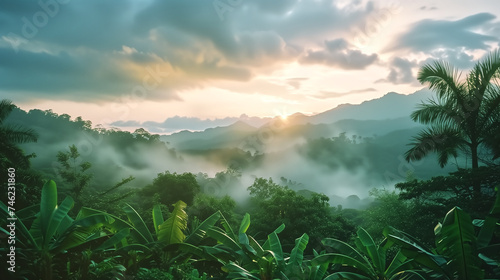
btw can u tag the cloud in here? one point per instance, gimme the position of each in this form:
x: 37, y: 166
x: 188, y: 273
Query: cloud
x: 429, y: 35
x: 401, y: 72
x: 296, y: 83
x: 106, y: 52
x: 457, y: 57
x: 425, y: 8
x: 333, y: 94
x: 338, y: 53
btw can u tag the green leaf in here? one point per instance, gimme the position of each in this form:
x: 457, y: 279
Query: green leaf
x: 245, y: 223
x: 172, y: 230
x: 489, y: 225
x: 372, y: 249
x: 275, y: 246
x: 237, y: 272
x: 22, y: 233
x: 414, y: 251
x: 346, y: 276
x: 256, y: 246
x: 157, y: 218
x: 343, y: 248
x: 342, y: 260
x: 115, y: 239
x: 297, y: 254
x: 266, y: 245
x: 223, y: 238
x: 456, y: 239
x: 48, y: 205
x: 138, y: 223
x: 200, y: 232
x: 57, y: 217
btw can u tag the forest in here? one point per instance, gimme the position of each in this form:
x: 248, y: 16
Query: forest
x: 69, y: 211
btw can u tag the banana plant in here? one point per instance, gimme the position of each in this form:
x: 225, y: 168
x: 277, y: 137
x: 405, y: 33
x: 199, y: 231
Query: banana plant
x: 368, y: 261
x: 242, y: 256
x: 459, y: 253
x: 296, y: 267
x: 245, y: 258
x: 52, y: 232
x: 168, y: 236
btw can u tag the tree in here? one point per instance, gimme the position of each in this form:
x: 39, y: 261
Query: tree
x: 464, y: 117
x: 173, y: 187
x: 275, y: 205
x: 12, y: 157
x: 73, y: 170
x: 12, y: 135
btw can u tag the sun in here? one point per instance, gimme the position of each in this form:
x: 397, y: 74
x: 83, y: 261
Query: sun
x: 282, y: 113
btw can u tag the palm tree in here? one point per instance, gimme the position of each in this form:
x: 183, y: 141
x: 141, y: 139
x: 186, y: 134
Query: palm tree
x: 10, y: 136
x: 465, y: 115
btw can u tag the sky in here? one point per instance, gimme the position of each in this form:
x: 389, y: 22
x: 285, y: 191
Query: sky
x: 194, y: 62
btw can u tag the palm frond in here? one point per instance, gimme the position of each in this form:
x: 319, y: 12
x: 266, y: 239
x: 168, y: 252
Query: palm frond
x: 6, y: 108
x: 435, y: 111
x: 441, y: 139
x: 18, y: 134
x: 443, y: 78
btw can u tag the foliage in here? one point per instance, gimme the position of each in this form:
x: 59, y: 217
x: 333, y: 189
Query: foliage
x: 11, y: 135
x: 153, y: 274
x: 108, y: 269
x: 73, y: 170
x: 173, y: 187
x: 52, y: 232
x: 275, y: 205
x: 459, y: 253
x: 409, y: 216
x: 244, y: 257
x: 13, y: 157
x: 465, y: 114
x: 455, y: 189
x: 205, y: 205
x: 368, y: 261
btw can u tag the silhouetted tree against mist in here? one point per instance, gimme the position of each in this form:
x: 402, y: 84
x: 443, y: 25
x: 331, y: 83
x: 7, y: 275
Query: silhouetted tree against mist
x: 465, y: 114
x: 28, y: 181
x: 12, y: 135
x: 73, y: 170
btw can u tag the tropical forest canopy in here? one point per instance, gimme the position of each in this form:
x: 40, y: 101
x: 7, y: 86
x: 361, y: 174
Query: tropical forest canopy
x: 296, y: 198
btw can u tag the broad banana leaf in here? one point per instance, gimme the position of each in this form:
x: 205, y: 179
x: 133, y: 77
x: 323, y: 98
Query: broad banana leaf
x: 201, y: 231
x: 172, y: 230
x: 341, y: 259
x: 136, y: 220
x: 237, y: 272
x: 157, y: 218
x: 275, y: 247
x: 455, y: 239
x: 346, y: 276
x: 366, y: 240
x: 343, y: 248
x: 297, y: 254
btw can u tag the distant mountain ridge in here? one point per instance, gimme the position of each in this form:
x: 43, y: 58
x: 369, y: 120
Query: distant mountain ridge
x: 390, y: 106
x: 378, y: 116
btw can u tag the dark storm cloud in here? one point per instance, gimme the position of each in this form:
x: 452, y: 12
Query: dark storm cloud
x: 428, y: 35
